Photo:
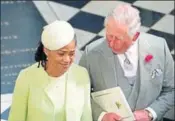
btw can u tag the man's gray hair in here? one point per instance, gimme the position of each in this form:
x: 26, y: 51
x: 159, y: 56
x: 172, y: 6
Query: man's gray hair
x: 127, y: 15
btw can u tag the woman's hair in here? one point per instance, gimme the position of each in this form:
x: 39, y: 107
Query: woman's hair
x: 41, y: 57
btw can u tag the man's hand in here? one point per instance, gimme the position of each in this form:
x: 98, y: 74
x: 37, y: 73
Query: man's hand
x: 142, y: 115
x: 111, y: 117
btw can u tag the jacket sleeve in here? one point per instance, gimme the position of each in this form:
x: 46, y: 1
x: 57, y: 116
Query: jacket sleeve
x: 166, y: 99
x: 18, y: 110
x: 96, y: 109
x: 87, y: 111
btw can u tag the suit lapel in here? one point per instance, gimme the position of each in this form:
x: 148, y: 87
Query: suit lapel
x: 45, y: 82
x: 107, y: 66
x: 145, y: 69
x: 70, y: 97
x: 42, y: 81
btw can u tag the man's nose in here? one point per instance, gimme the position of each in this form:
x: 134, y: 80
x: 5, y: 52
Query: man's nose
x: 110, y: 43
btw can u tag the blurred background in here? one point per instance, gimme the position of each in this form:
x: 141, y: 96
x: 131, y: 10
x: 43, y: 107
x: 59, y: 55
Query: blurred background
x: 22, y: 22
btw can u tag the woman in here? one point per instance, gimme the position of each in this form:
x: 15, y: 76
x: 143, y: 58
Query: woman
x: 53, y: 89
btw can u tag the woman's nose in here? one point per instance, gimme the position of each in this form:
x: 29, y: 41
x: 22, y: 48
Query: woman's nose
x: 66, y: 59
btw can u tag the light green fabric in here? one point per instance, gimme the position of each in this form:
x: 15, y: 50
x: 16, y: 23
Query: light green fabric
x: 31, y: 101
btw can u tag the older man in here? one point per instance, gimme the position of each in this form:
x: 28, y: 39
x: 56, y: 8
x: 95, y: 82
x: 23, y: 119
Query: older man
x: 140, y: 63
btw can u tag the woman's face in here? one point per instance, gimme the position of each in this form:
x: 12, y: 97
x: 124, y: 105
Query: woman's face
x: 61, y: 59
x: 117, y: 36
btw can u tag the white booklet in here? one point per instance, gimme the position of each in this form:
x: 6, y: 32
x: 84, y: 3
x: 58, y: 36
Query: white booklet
x: 113, y: 100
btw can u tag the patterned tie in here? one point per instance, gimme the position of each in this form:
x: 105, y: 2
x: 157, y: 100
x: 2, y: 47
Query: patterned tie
x: 127, y: 64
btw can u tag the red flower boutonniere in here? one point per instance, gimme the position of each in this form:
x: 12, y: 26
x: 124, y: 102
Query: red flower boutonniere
x: 148, y: 58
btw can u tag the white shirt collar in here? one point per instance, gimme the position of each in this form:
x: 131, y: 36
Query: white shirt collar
x: 132, y: 54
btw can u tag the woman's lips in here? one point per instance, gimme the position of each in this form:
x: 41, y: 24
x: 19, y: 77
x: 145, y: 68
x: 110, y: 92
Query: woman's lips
x: 65, y: 65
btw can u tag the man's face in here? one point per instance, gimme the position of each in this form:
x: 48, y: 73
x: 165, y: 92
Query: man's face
x: 117, y: 36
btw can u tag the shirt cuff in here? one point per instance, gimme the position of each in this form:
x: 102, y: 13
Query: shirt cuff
x: 152, y: 112
x: 101, y: 116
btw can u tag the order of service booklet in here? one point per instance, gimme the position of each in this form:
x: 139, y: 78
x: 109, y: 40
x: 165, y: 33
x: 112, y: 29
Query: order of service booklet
x: 113, y: 100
